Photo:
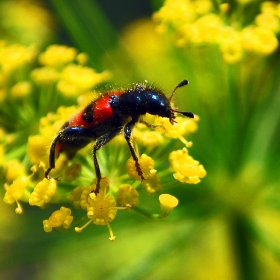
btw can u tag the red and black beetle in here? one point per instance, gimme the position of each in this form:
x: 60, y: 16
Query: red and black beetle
x: 106, y: 117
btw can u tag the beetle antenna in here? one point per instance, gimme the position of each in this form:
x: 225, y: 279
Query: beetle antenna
x: 187, y: 114
x: 181, y: 84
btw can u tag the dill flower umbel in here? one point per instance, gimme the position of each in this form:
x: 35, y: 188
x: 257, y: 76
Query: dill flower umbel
x: 201, y: 23
x: 57, y: 83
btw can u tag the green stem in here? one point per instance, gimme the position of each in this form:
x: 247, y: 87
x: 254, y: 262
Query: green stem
x: 244, y: 252
x: 87, y: 25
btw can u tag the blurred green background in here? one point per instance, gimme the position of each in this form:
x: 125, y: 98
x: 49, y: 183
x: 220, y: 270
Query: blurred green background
x: 226, y: 227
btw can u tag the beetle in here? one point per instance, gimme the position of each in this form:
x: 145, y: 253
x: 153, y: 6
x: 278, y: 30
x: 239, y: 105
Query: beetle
x: 112, y: 113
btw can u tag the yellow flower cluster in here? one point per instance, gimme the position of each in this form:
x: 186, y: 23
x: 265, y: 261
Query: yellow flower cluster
x: 16, y: 191
x: 167, y: 204
x: 127, y: 195
x: 63, y: 73
x: 23, y: 188
x: 27, y: 22
x: 101, y: 208
x: 13, y: 60
x: 72, y: 79
x: 152, y: 182
x: 199, y: 22
x: 43, y: 192
x: 59, y: 219
x: 187, y: 170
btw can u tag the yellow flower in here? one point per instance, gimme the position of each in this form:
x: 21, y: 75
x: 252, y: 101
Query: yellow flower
x: 232, y: 51
x: 268, y: 20
x: 147, y: 137
x: 16, y: 191
x: 177, y: 11
x: 203, y: 7
x: 101, y: 211
x: 229, y: 40
x: 75, y: 197
x: 187, y: 170
x: 195, y: 22
x: 167, y: 204
x: 36, y: 149
x: 14, y: 169
x: 64, y: 70
x: 76, y: 79
x: 146, y: 164
x: 181, y: 127
x: 27, y: 22
x: 152, y: 184
x: 57, y: 55
x: 82, y: 58
x: 15, y: 56
x: 44, y: 76
x: 59, y: 218
x: 208, y: 27
x: 127, y: 195
x: 43, y: 192
x: 80, y: 197
x: 21, y: 89
x: 269, y: 7
x: 259, y: 39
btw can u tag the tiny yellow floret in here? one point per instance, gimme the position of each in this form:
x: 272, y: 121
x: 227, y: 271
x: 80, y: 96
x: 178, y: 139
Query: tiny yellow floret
x: 15, y: 191
x: 268, y: 20
x: 127, y: 195
x: 146, y: 164
x: 86, y: 195
x: 57, y: 55
x: 45, y: 76
x: 102, y: 209
x: 13, y: 169
x: 75, y: 197
x: 59, y: 218
x: 43, y: 192
x: 181, y: 127
x: 36, y: 148
x: 15, y: 56
x: 21, y: 89
x: 152, y: 184
x: 187, y: 170
x: 82, y: 58
x: 77, y: 79
x: 147, y: 138
x: 259, y: 39
x: 167, y: 204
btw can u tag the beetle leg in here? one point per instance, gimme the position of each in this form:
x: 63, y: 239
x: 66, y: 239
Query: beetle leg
x: 58, y: 138
x: 101, y: 141
x: 127, y: 134
x: 151, y: 126
x: 69, y: 134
